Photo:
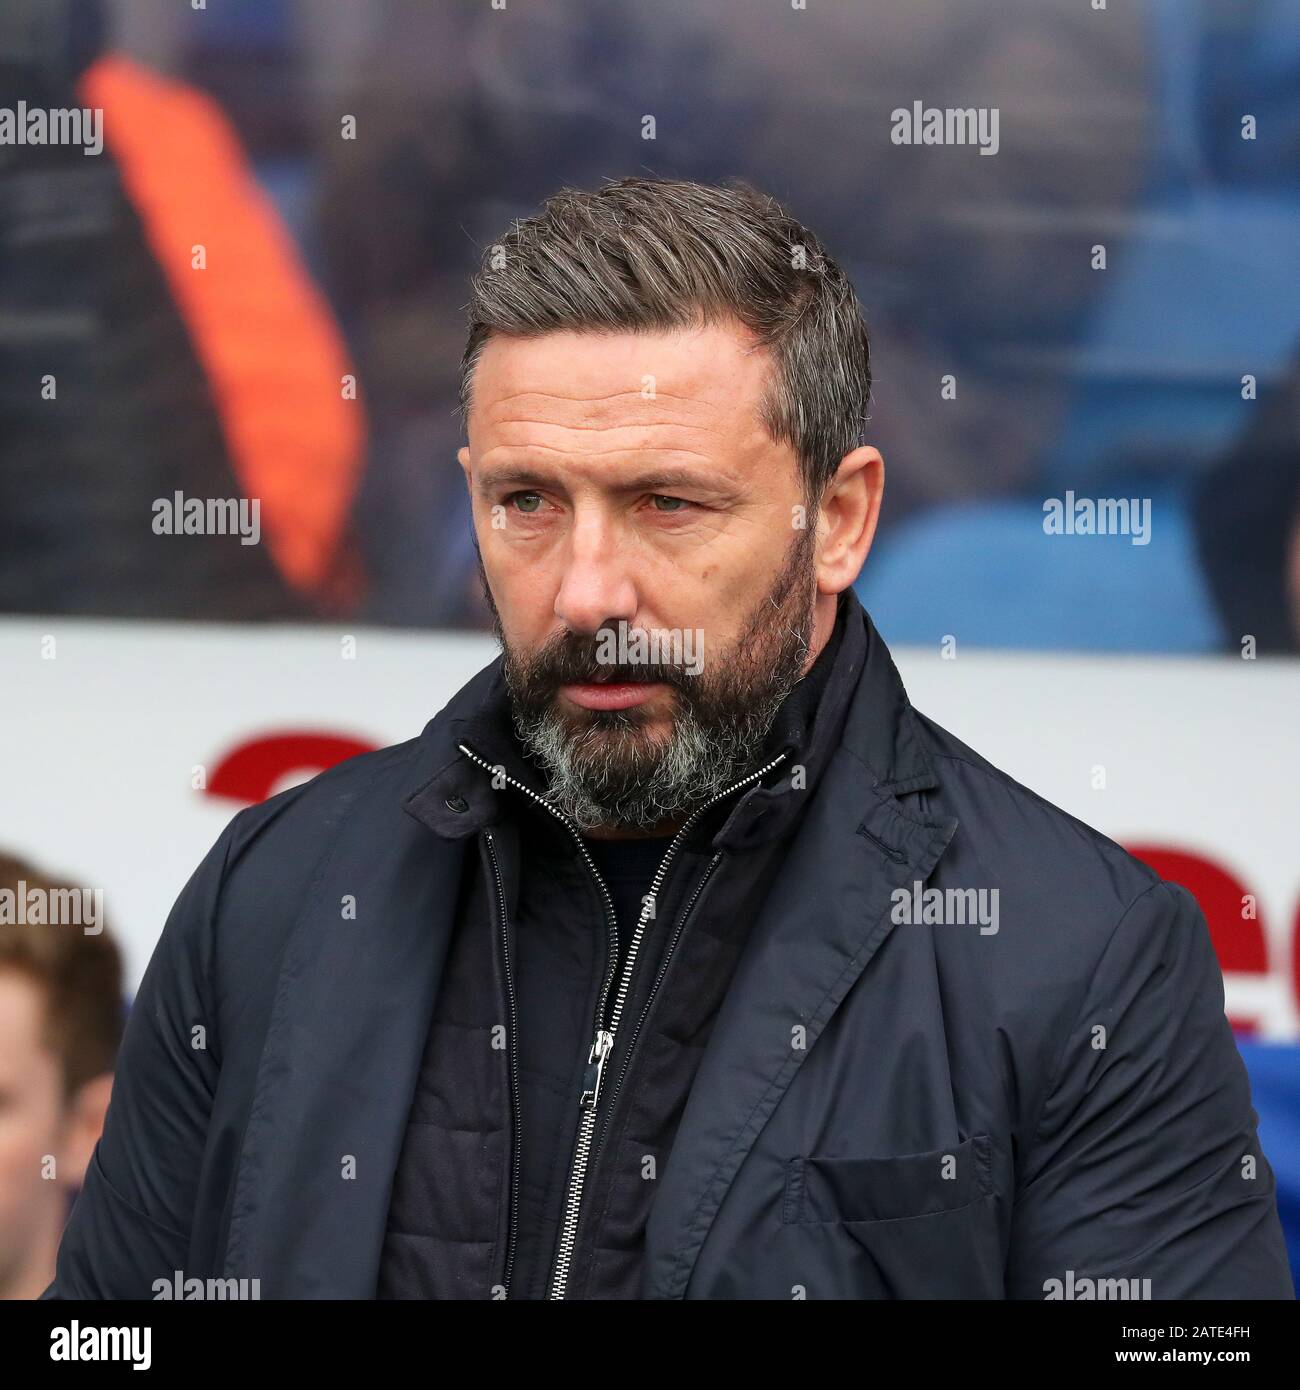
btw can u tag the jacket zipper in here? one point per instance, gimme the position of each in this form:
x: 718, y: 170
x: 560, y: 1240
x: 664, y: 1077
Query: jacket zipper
x: 650, y: 998
x: 603, y: 1042
x: 514, y: 1066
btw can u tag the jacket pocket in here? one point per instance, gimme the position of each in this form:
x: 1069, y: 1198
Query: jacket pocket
x: 821, y: 1188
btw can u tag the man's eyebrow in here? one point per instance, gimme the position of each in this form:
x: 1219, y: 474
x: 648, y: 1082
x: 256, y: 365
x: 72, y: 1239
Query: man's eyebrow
x: 516, y: 475
x: 655, y: 480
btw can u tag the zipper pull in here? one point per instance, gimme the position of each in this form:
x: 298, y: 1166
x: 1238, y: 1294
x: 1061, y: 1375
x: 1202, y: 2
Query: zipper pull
x: 596, y: 1060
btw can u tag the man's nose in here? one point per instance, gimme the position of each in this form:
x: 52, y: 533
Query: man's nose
x: 597, y: 588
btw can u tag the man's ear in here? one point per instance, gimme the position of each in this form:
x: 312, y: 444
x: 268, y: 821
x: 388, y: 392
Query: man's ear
x: 849, y: 511
x: 462, y: 457
x: 83, y: 1124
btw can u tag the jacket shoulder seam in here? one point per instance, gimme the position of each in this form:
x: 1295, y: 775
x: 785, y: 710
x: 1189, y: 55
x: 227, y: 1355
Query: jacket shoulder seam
x: 1011, y: 784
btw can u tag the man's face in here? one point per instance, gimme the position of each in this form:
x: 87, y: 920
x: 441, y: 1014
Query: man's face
x: 622, y: 483
x: 31, y: 1126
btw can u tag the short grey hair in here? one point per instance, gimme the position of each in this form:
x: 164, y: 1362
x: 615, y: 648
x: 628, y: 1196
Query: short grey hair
x: 647, y: 254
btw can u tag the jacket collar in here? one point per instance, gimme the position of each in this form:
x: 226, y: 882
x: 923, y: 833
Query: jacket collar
x: 859, y: 701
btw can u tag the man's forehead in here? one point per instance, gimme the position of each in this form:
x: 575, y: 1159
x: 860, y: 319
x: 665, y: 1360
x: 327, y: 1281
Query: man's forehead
x: 706, y: 377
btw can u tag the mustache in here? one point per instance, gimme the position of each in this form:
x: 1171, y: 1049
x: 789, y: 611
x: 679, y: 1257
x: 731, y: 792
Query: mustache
x: 574, y: 661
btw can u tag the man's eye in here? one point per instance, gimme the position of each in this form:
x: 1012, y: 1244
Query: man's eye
x: 520, y: 498
x: 677, y: 503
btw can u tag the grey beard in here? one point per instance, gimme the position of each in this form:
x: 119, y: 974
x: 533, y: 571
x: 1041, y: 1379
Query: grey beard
x: 591, y: 785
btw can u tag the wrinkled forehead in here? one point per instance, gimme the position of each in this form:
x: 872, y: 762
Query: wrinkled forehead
x: 709, y: 380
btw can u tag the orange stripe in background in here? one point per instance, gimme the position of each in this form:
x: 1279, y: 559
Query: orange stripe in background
x: 267, y: 340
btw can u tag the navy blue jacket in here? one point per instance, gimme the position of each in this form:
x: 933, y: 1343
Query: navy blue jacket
x: 906, y: 1094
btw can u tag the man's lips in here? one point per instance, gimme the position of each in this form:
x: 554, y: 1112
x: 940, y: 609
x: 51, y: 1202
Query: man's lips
x: 611, y: 694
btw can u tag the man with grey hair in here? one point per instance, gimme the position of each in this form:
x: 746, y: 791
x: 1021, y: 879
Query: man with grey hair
x: 658, y: 981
